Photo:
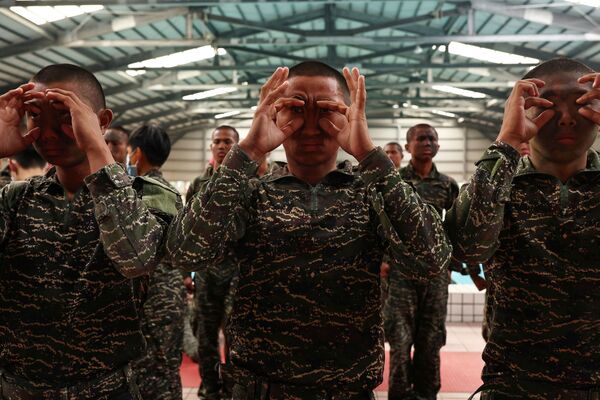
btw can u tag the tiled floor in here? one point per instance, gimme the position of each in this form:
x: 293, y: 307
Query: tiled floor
x: 461, y: 338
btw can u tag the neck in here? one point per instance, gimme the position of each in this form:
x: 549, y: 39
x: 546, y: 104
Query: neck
x: 313, y: 174
x: 71, y: 178
x: 422, y: 167
x: 26, y: 174
x: 143, y: 168
x: 562, y: 170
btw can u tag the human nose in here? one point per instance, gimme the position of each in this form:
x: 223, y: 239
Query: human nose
x: 566, y: 116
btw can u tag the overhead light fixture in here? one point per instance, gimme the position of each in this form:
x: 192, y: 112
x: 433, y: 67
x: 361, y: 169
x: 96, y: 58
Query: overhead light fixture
x: 41, y: 15
x: 460, y: 120
x: 135, y: 72
x: 489, y: 55
x: 444, y: 113
x: 179, y: 58
x: 479, y: 71
x: 395, y: 106
x: 460, y: 92
x: 210, y: 93
x: 589, y: 3
x: 227, y: 114
x: 414, y: 106
x: 253, y: 108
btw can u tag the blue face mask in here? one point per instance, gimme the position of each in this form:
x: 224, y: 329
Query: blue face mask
x: 131, y: 169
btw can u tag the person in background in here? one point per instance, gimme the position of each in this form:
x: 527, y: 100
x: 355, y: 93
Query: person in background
x: 157, y: 373
x: 26, y: 164
x: 394, y: 152
x: 416, y: 311
x: 117, y: 139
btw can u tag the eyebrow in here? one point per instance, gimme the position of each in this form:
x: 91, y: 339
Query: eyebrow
x: 552, y: 93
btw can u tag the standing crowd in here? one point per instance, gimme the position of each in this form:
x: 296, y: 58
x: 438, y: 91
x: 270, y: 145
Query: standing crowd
x: 303, y: 268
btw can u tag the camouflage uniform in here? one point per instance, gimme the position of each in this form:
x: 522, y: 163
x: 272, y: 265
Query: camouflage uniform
x: 540, y: 240
x: 214, y: 299
x: 72, y: 277
x: 307, y: 312
x: 415, y: 311
x: 162, y: 323
x: 5, y: 177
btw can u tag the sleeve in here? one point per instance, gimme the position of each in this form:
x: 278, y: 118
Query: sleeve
x: 476, y: 219
x: 132, y: 233
x: 9, y: 198
x: 216, y: 218
x: 412, y: 229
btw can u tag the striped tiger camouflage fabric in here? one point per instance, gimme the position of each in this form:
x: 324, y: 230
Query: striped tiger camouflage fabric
x: 307, y: 309
x: 72, y: 276
x: 540, y: 241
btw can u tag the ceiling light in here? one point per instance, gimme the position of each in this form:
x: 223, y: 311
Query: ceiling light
x: 590, y: 3
x: 395, y: 106
x: 135, y: 72
x: 479, y: 71
x: 414, y: 106
x: 253, y: 108
x: 227, y: 114
x: 460, y: 120
x: 483, y: 54
x: 179, y: 58
x: 461, y: 92
x: 41, y: 15
x: 444, y: 113
x: 210, y: 93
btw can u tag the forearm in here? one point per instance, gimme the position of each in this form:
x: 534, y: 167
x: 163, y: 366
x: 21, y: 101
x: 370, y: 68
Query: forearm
x: 412, y: 229
x: 131, y: 235
x: 475, y: 221
x: 214, y: 219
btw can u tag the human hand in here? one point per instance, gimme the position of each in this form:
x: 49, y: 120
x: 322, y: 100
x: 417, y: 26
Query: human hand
x: 83, y: 127
x: 12, y: 109
x: 594, y: 94
x: 348, y: 124
x: 516, y: 127
x: 264, y: 134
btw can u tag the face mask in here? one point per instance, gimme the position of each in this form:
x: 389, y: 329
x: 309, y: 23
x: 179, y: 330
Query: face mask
x: 131, y: 169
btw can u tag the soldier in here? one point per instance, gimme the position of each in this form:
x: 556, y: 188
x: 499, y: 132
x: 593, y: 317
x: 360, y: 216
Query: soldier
x: 415, y: 311
x: 306, y: 321
x: 213, y: 289
x: 26, y: 164
x: 535, y: 222
x: 75, y: 247
x: 394, y: 152
x: 117, y: 139
x: 223, y: 138
x: 162, y: 322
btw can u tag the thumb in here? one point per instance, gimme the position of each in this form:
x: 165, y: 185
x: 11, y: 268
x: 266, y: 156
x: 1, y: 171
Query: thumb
x: 333, y: 124
x: 32, y: 136
x: 292, y: 126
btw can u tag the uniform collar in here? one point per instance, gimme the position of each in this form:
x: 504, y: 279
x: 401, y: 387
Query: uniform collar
x: 525, y: 167
x: 433, y: 174
x: 343, y: 173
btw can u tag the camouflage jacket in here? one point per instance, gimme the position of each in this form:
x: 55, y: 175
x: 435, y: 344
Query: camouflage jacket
x: 307, y: 309
x: 197, y: 183
x: 5, y: 177
x: 540, y: 241
x: 70, y: 295
x: 437, y: 189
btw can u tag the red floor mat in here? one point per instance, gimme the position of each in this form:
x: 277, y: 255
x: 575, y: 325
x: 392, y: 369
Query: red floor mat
x: 460, y: 372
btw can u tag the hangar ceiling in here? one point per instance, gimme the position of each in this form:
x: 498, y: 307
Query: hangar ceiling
x: 420, y: 57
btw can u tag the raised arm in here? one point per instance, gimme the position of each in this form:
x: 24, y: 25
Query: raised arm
x: 476, y: 219
x: 411, y: 228
x: 215, y: 219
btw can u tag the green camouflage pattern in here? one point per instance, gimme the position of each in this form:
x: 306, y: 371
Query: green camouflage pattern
x: 307, y: 308
x: 213, y: 302
x: 73, y: 275
x: 157, y: 372
x: 198, y: 182
x: 540, y: 242
x: 415, y: 312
